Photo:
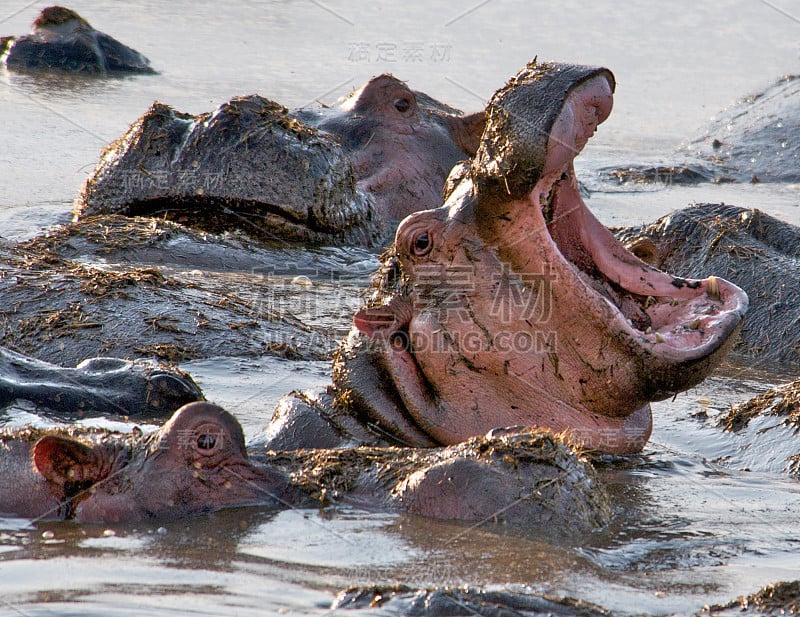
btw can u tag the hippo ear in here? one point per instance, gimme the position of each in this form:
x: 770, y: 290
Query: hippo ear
x: 62, y: 460
x: 467, y: 131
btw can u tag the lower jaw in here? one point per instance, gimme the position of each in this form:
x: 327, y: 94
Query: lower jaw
x: 617, y: 436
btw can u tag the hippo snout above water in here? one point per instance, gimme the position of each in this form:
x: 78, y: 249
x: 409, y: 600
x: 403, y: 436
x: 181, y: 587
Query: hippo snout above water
x: 194, y: 464
x: 513, y: 305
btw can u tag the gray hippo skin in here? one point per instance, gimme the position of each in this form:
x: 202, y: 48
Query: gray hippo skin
x: 62, y: 41
x: 345, y: 174
x: 758, y: 252
x: 775, y: 599
x: 455, y: 602
x: 107, y: 386
x: 755, y: 140
x: 512, y: 305
x: 197, y: 463
x: 108, y: 304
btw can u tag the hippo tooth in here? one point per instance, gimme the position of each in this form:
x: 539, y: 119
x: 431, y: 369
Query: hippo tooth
x: 713, y: 288
x: 659, y: 338
x: 695, y: 324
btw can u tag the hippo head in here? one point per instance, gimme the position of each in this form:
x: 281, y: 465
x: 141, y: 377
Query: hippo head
x: 347, y: 173
x: 401, y: 143
x: 59, y: 20
x: 513, y: 305
x: 195, y: 463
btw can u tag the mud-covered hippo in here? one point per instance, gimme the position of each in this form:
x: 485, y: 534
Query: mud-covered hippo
x: 512, y: 305
x: 346, y: 174
x: 758, y: 252
x: 781, y: 598
x: 61, y: 40
x: 113, y: 299
x: 755, y: 140
x: 197, y: 463
x: 509, y: 305
x: 765, y: 429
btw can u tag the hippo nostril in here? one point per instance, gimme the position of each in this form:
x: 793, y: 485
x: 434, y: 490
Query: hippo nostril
x: 399, y: 341
x: 402, y: 105
x: 206, y: 442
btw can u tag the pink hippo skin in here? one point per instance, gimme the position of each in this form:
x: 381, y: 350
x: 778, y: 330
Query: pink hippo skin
x: 401, y: 143
x: 513, y: 305
x: 194, y: 464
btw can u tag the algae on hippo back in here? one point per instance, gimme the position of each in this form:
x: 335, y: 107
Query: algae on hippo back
x: 342, y: 175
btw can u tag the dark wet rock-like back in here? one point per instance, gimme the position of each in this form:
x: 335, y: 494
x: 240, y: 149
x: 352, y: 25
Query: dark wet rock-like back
x: 756, y: 251
x: 65, y: 310
x: 62, y: 41
x: 754, y: 140
x: 775, y: 599
x: 758, y: 139
x: 460, y: 601
x: 248, y: 165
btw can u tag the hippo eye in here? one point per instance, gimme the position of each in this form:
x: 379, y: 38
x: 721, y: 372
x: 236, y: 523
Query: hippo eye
x: 421, y: 244
x: 206, y: 442
x: 402, y: 105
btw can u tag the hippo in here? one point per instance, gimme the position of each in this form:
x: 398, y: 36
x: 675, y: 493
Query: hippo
x: 756, y: 251
x: 782, y: 598
x: 512, y: 305
x: 755, y: 140
x: 131, y: 310
x: 62, y: 41
x: 346, y: 174
x: 466, y: 601
x: 197, y: 463
x: 96, y: 386
x: 766, y: 427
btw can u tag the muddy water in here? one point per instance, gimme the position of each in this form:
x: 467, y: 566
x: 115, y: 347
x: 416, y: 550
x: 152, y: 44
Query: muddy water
x: 698, y: 521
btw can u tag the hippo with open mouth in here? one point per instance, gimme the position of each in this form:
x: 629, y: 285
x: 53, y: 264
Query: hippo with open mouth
x: 346, y: 174
x: 513, y: 305
x: 61, y: 40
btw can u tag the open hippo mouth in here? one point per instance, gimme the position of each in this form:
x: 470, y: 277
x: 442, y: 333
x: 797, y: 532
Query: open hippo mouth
x: 604, y: 333
x: 661, y: 316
